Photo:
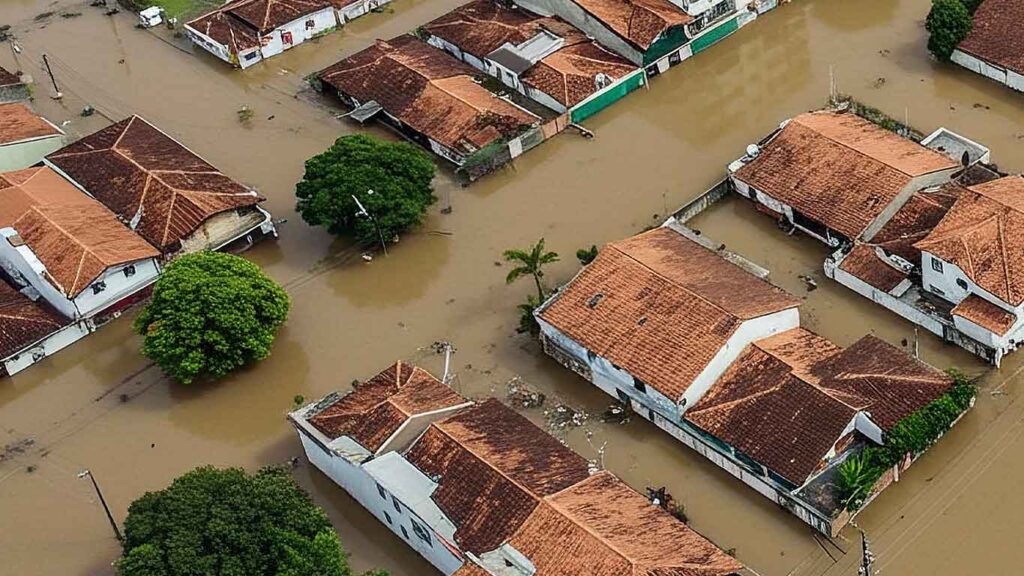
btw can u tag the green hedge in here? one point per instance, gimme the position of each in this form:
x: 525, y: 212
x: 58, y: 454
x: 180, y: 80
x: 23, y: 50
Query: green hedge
x: 912, y: 435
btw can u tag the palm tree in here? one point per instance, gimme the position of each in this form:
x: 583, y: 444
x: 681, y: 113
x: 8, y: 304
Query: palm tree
x: 529, y: 263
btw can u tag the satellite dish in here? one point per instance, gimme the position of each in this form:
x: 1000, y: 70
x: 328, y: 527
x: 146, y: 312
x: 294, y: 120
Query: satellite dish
x: 753, y: 150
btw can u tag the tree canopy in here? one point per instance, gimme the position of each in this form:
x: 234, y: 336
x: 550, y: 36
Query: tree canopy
x: 210, y: 314
x: 948, y: 23
x: 224, y: 522
x: 399, y: 174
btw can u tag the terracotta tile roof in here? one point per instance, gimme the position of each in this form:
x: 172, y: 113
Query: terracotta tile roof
x: 18, y: 123
x: 375, y: 410
x: 24, y: 322
x: 73, y: 235
x: 602, y: 527
x: 237, y: 24
x: 430, y: 91
x: 839, y: 169
x: 864, y: 263
x: 141, y: 173
x: 788, y: 399
x: 493, y: 465
x: 985, y: 314
x: 7, y: 78
x: 639, y: 22
x: 569, y: 75
x: 226, y: 29
x: 983, y: 234
x: 660, y: 306
x: 915, y: 220
x: 996, y: 36
x: 891, y: 383
x: 482, y: 26
x: 766, y: 409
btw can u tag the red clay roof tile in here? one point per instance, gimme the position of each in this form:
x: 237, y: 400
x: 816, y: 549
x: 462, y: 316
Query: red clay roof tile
x: 983, y: 235
x: 639, y: 22
x: 996, y: 35
x: 985, y: 314
x: 24, y: 322
x: 839, y: 169
x: 430, y: 91
x: 73, y: 235
x: 788, y: 399
x: 660, y: 306
x: 18, y: 123
x: 141, y: 173
x: 864, y: 263
x: 376, y: 409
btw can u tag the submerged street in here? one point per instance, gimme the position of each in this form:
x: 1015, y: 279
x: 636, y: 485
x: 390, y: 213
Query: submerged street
x: 100, y: 405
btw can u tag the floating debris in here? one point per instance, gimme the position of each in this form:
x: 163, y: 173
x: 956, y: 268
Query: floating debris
x: 87, y: 111
x: 617, y: 413
x: 563, y: 416
x: 520, y: 394
x: 367, y: 257
x: 809, y: 282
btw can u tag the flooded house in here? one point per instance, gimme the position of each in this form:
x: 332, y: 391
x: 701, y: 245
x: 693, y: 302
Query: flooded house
x: 993, y: 48
x: 12, y: 88
x: 542, y: 58
x: 913, y: 229
x: 31, y: 330
x: 432, y: 99
x: 243, y: 32
x: 654, y: 34
x: 715, y: 356
x: 25, y: 137
x: 836, y: 176
x: 163, y: 191
x: 477, y: 489
x: 71, y: 250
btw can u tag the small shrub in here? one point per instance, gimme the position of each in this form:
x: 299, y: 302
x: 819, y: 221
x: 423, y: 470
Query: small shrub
x: 586, y: 255
x: 527, y: 321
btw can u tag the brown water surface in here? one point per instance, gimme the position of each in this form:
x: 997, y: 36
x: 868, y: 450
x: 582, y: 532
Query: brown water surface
x: 98, y: 405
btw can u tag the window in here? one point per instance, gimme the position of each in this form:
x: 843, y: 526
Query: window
x: 129, y: 271
x: 387, y: 517
x: 310, y: 24
x: 99, y: 287
x: 623, y: 397
x: 380, y: 490
x: 405, y: 533
x: 639, y: 385
x: 251, y: 55
x: 398, y: 507
x: 960, y: 282
x: 421, y: 532
x: 936, y: 289
x: 937, y: 265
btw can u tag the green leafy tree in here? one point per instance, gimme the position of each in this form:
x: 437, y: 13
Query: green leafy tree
x: 530, y: 263
x: 224, y: 522
x: 210, y: 314
x: 527, y: 321
x: 399, y: 175
x: 586, y: 255
x: 948, y: 23
x: 972, y: 5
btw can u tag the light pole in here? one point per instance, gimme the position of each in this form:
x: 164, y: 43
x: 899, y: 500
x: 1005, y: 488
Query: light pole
x: 363, y: 212
x: 110, y: 517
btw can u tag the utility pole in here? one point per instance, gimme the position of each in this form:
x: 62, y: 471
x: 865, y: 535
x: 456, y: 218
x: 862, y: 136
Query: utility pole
x: 56, y: 91
x: 363, y: 212
x: 103, y: 501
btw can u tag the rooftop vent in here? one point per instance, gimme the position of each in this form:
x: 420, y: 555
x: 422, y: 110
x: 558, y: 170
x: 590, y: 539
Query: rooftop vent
x: 595, y: 300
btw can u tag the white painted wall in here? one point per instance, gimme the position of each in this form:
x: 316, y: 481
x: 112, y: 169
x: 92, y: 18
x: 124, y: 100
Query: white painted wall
x: 210, y: 45
x: 907, y: 311
x: 118, y: 286
x: 748, y: 332
x: 997, y: 73
x: 353, y: 11
x: 390, y: 510
x: 19, y: 155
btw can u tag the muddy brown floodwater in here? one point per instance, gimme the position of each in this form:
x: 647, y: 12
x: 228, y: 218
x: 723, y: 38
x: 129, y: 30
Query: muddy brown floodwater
x: 99, y: 406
